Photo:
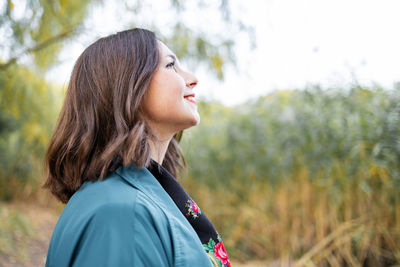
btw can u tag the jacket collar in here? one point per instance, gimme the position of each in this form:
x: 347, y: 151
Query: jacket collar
x: 143, y: 180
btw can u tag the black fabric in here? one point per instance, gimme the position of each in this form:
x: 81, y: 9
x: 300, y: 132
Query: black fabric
x: 199, y: 221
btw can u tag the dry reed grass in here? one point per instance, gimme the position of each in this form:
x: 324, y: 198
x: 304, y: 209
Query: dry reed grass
x: 304, y: 222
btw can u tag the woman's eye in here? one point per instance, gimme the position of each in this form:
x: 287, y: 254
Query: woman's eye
x: 172, y: 64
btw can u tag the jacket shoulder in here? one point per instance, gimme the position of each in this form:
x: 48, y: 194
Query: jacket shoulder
x: 107, y: 223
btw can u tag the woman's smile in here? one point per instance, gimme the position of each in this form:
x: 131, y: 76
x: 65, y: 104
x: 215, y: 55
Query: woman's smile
x: 190, y: 98
x: 163, y: 104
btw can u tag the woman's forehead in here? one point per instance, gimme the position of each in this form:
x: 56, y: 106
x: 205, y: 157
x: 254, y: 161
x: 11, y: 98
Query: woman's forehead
x: 164, y: 50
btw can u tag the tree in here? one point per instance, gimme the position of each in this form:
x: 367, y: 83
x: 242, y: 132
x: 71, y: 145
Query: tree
x: 38, y: 28
x: 33, y: 33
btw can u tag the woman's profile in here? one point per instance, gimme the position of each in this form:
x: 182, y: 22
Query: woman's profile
x: 114, y: 157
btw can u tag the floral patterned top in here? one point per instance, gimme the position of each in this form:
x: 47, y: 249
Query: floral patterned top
x: 208, y: 236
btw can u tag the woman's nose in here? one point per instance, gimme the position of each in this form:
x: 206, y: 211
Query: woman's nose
x: 190, y: 79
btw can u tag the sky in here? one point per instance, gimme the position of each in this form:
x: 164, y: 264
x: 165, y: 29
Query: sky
x: 298, y: 43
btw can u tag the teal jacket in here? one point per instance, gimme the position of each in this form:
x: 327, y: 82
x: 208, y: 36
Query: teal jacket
x: 125, y: 220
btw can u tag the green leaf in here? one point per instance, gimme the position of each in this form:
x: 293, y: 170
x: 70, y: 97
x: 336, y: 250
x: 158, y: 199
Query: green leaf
x: 211, y: 243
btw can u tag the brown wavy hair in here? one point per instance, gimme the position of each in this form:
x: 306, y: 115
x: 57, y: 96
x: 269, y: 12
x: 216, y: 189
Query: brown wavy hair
x: 100, y: 126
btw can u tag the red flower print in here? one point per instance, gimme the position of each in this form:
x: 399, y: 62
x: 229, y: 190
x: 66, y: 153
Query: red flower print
x: 220, y: 253
x: 195, y: 207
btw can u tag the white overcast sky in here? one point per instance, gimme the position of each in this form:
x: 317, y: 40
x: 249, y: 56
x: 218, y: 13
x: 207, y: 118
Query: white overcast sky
x: 299, y: 42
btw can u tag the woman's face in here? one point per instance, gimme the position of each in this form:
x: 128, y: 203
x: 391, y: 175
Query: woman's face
x: 169, y: 103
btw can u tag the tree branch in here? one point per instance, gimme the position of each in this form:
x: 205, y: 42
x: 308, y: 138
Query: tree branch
x: 37, y: 48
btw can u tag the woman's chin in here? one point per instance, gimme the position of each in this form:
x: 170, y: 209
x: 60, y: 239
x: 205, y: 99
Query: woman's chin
x: 195, y: 120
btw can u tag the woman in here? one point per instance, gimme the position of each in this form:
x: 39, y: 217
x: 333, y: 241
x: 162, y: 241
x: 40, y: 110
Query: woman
x: 113, y: 157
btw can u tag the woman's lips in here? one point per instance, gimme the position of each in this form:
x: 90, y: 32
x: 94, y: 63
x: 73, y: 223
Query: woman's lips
x: 190, y: 98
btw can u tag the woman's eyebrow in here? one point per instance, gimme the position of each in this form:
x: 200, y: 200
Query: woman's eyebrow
x: 173, y: 57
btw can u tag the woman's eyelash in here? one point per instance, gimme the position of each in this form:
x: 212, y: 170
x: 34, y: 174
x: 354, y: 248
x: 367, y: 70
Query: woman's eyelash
x: 172, y: 64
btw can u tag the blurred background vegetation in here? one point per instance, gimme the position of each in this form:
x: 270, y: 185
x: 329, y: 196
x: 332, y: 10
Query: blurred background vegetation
x: 305, y: 177
x: 310, y: 175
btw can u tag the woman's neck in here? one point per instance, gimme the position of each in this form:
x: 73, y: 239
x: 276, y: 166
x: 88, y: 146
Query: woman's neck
x: 158, y: 149
x: 159, y: 144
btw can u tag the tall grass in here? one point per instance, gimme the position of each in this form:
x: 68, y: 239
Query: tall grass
x: 305, y: 221
x: 15, y: 229
x: 311, y: 176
